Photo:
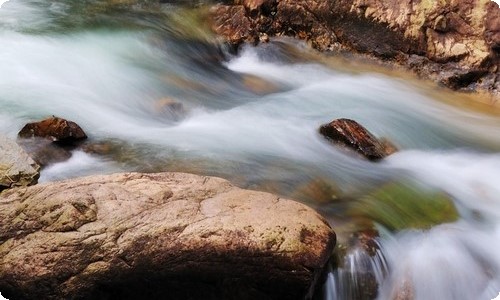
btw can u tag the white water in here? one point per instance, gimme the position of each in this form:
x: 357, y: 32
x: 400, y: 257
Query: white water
x: 109, y: 82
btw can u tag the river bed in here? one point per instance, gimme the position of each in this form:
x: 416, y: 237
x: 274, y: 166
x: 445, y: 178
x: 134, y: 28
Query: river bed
x: 252, y: 118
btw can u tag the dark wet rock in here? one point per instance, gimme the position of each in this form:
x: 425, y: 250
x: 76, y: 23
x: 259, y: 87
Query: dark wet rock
x: 366, y: 239
x: 364, y: 285
x: 16, y: 167
x: 55, y: 129
x: 43, y: 151
x: 354, y: 266
x: 158, y: 236
x: 100, y: 148
x: 388, y: 146
x: 458, y: 41
x: 351, y: 134
x: 51, y: 140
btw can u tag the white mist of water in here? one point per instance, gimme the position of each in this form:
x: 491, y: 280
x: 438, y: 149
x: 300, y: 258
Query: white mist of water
x: 80, y: 164
x: 358, y: 276
x: 84, y: 77
x: 103, y: 81
x: 21, y: 15
x: 2, y: 298
x: 387, y: 106
x: 451, y: 261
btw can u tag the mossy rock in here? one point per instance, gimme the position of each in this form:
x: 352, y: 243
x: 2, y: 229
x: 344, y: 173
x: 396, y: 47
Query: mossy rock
x: 192, y: 24
x: 399, y: 206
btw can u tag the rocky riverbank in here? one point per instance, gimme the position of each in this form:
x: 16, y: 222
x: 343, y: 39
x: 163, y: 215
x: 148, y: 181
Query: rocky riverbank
x: 455, y: 43
x: 17, y: 168
x: 181, y: 236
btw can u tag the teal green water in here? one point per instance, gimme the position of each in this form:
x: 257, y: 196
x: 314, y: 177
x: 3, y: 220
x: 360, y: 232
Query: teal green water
x: 252, y: 118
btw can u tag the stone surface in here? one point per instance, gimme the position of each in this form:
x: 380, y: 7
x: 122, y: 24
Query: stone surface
x: 232, y: 23
x: 175, y: 235
x: 458, y: 41
x: 351, y: 134
x: 16, y: 167
x: 56, y: 129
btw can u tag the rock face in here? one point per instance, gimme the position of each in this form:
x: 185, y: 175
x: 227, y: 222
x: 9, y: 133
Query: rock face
x: 56, y: 129
x: 454, y: 42
x: 16, y: 167
x: 352, y: 135
x: 155, y: 236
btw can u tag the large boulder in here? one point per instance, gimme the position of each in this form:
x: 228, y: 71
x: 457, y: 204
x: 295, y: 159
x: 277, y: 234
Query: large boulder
x: 454, y: 42
x: 16, y: 167
x: 158, y: 236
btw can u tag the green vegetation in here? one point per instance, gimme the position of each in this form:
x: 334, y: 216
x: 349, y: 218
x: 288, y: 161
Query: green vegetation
x: 398, y: 206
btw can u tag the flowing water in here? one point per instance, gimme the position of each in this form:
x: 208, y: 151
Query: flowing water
x: 252, y: 117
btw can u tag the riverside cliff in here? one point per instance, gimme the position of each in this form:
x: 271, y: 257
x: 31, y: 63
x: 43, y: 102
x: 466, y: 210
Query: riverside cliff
x: 455, y: 43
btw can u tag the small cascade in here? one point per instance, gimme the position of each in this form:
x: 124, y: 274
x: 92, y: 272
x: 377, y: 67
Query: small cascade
x: 358, y: 275
x: 162, y: 101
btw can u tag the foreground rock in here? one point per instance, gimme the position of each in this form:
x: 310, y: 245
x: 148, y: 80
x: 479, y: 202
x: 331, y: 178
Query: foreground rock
x: 351, y: 134
x: 16, y: 167
x: 453, y: 42
x: 154, y: 236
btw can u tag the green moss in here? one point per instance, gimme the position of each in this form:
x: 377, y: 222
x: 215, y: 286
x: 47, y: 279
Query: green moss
x: 399, y: 206
x: 192, y: 23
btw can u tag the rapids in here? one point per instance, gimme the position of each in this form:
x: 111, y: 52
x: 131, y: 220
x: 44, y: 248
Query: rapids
x: 252, y: 118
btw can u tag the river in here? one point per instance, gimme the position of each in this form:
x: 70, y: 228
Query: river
x: 252, y: 117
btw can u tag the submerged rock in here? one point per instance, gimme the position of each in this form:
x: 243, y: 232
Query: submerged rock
x: 170, y: 108
x: 399, y: 207
x: 43, y: 151
x: 166, y: 235
x: 56, y: 129
x: 352, y: 135
x: 16, y: 167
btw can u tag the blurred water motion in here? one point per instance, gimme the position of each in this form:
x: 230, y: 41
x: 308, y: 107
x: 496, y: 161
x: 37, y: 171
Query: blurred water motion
x: 153, y: 87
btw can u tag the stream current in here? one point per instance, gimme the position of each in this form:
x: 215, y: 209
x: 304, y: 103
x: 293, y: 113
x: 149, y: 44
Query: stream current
x: 252, y: 117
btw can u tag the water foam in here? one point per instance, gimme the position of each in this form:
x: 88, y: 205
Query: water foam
x: 80, y: 164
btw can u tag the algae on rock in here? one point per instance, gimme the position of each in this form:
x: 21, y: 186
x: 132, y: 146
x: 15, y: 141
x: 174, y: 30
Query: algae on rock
x: 399, y: 206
